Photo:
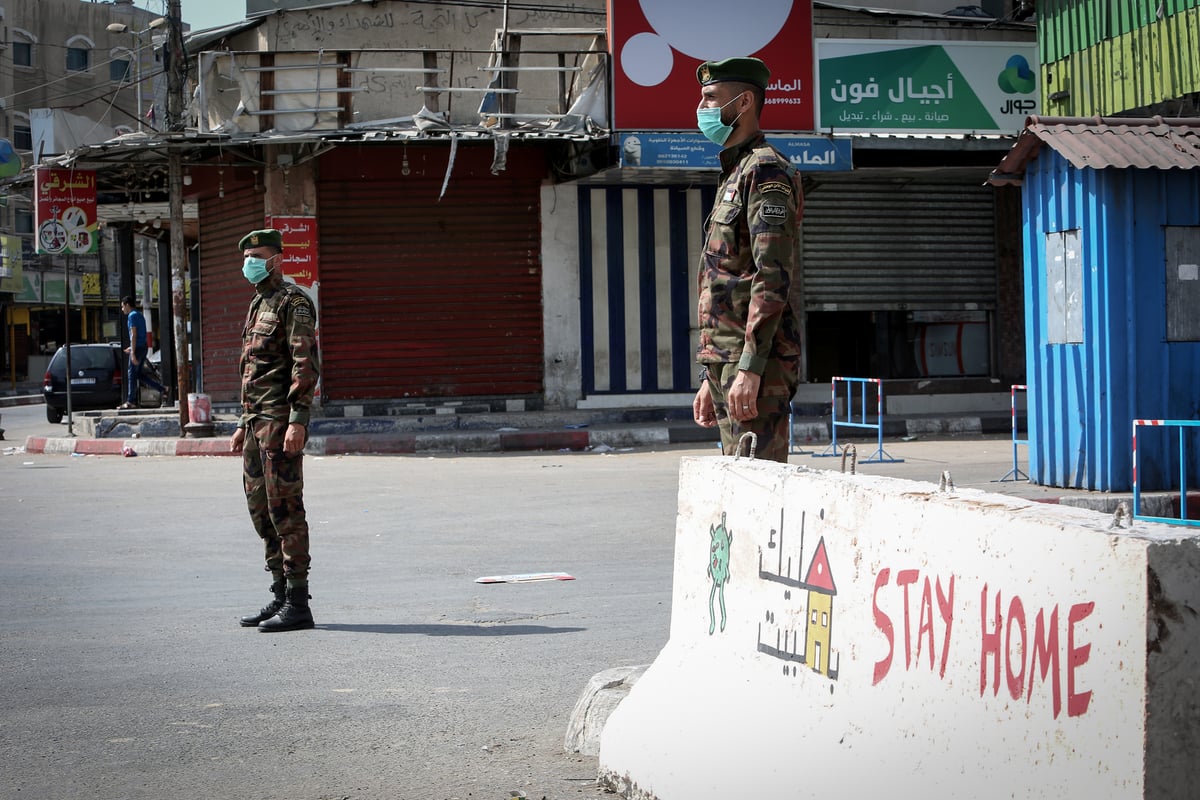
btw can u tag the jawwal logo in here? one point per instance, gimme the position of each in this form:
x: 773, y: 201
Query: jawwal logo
x: 1017, y: 77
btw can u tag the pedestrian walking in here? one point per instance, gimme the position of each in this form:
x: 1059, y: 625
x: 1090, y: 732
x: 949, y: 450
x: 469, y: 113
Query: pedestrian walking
x: 749, y: 347
x: 138, y: 350
x: 279, y: 367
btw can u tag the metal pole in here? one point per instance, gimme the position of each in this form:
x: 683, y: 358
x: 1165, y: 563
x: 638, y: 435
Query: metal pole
x: 67, y: 336
x: 138, y: 53
x: 175, y: 188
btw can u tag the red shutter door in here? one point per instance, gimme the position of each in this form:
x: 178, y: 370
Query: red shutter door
x: 429, y: 298
x: 224, y: 293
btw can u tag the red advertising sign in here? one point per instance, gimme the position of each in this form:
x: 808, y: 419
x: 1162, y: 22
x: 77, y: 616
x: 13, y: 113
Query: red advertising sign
x: 65, y: 211
x: 301, y: 261
x: 657, y: 45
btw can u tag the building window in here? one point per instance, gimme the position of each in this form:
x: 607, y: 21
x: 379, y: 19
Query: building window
x: 79, y: 54
x: 22, y: 48
x: 1064, y: 288
x: 22, y: 54
x: 78, y: 59
x: 22, y: 137
x: 1182, y: 282
x: 119, y: 69
x: 23, y: 222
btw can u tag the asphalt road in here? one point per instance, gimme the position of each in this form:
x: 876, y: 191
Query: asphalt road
x: 125, y: 674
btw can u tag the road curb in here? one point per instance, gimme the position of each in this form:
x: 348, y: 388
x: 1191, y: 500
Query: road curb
x: 20, y: 400
x: 372, y: 444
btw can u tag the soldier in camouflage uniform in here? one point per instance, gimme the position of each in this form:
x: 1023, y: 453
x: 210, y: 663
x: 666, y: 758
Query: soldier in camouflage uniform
x: 749, y: 334
x: 279, y: 367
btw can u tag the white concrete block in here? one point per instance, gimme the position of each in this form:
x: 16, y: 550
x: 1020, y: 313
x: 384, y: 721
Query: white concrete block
x: 851, y: 635
x: 604, y: 692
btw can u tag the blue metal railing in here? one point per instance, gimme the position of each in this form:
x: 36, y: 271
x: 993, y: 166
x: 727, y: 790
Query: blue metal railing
x: 859, y: 421
x: 1183, y: 484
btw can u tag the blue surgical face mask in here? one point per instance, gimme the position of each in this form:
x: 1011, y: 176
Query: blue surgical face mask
x: 710, y: 124
x: 255, y: 269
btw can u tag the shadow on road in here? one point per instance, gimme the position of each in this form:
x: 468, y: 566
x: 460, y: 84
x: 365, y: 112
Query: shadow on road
x: 452, y: 630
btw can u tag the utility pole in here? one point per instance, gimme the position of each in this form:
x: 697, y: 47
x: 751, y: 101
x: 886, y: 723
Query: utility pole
x: 179, y: 271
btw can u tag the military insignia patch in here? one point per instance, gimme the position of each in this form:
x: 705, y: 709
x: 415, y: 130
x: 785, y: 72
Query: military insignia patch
x: 301, y: 308
x: 254, y: 240
x: 705, y: 75
x: 776, y: 186
x: 773, y: 211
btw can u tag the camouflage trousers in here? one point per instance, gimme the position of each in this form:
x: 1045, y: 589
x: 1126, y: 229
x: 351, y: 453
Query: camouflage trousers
x: 770, y: 427
x: 274, y: 484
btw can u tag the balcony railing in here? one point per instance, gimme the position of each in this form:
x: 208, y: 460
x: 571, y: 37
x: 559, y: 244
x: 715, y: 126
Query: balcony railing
x: 509, y: 88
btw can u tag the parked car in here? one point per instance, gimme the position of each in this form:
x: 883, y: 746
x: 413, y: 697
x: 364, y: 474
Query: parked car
x: 97, y: 377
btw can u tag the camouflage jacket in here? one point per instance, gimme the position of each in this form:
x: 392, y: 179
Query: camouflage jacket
x: 750, y: 259
x: 280, y: 365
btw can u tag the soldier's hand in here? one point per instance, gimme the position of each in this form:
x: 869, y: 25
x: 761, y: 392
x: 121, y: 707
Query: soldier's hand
x: 235, y: 441
x: 703, y: 410
x: 293, y: 440
x: 743, y: 396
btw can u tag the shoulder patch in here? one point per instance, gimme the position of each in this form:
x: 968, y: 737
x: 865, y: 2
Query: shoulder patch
x: 776, y: 186
x: 774, y: 208
x: 301, y: 306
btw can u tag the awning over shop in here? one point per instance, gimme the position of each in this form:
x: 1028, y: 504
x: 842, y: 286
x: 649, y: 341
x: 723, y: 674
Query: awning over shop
x: 1102, y: 142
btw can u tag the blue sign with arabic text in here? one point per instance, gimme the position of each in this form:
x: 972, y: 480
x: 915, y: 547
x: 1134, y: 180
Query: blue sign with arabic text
x: 671, y: 150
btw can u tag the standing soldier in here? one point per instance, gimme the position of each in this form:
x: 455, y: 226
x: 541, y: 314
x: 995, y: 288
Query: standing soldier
x: 749, y: 335
x: 279, y: 367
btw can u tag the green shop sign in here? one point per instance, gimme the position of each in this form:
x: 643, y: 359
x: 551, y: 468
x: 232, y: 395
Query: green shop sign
x: 889, y: 86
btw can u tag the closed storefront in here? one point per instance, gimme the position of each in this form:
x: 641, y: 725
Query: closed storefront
x: 224, y: 293
x: 898, y: 280
x: 429, y: 297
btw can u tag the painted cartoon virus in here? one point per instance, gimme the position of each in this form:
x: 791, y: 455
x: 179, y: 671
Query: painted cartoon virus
x: 718, y: 569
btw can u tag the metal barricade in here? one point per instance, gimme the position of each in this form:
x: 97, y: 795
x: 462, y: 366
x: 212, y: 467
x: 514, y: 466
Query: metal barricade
x: 1183, y: 485
x: 792, y: 451
x: 1015, y: 474
x: 860, y: 421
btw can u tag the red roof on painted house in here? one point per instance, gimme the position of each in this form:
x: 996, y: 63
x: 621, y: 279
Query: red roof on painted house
x: 819, y: 577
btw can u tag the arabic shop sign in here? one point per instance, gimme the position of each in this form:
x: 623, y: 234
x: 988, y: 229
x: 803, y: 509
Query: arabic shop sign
x: 692, y: 151
x: 300, y: 263
x: 874, y: 86
x: 66, y: 211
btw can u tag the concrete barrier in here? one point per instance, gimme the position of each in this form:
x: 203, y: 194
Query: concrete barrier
x: 851, y: 636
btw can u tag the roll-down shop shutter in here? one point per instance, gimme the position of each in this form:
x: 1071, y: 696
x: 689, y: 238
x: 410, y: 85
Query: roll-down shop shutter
x: 903, y: 243
x: 422, y: 297
x: 224, y: 294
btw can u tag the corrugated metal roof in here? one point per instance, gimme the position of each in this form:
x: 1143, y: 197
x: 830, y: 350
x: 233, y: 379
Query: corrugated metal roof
x: 1103, y: 142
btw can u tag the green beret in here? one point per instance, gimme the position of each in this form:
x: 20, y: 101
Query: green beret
x: 268, y: 237
x: 742, y: 70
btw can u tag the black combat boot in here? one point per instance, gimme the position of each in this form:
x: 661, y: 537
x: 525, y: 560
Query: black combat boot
x: 278, y: 588
x: 295, y: 614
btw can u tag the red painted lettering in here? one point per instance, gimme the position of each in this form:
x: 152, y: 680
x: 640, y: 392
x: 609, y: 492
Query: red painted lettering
x: 926, y: 624
x: 1045, y: 657
x: 905, y: 578
x: 1077, y: 702
x: 946, y: 607
x: 1016, y: 680
x: 989, y: 643
x: 884, y: 623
